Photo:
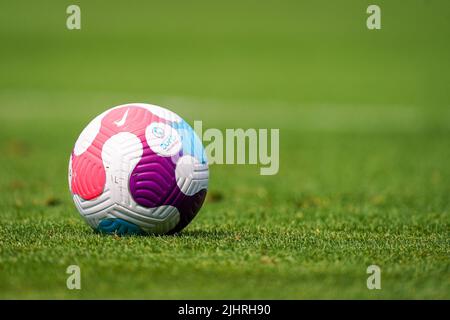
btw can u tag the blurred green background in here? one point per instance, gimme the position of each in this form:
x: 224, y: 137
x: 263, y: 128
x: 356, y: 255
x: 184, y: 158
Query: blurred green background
x: 364, y: 121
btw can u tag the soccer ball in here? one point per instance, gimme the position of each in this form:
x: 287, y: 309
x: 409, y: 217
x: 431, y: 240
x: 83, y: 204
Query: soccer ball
x: 136, y: 169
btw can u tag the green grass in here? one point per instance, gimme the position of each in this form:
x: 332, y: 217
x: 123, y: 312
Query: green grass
x: 364, y: 119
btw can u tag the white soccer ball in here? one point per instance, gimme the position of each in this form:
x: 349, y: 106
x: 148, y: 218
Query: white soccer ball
x: 138, y: 168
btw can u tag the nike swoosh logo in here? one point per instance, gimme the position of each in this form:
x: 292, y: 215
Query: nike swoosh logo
x: 121, y: 122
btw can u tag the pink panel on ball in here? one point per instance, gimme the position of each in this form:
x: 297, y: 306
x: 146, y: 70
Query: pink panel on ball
x: 88, y: 173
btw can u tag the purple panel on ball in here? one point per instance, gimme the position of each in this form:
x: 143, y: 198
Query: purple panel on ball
x: 153, y: 179
x: 153, y: 183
